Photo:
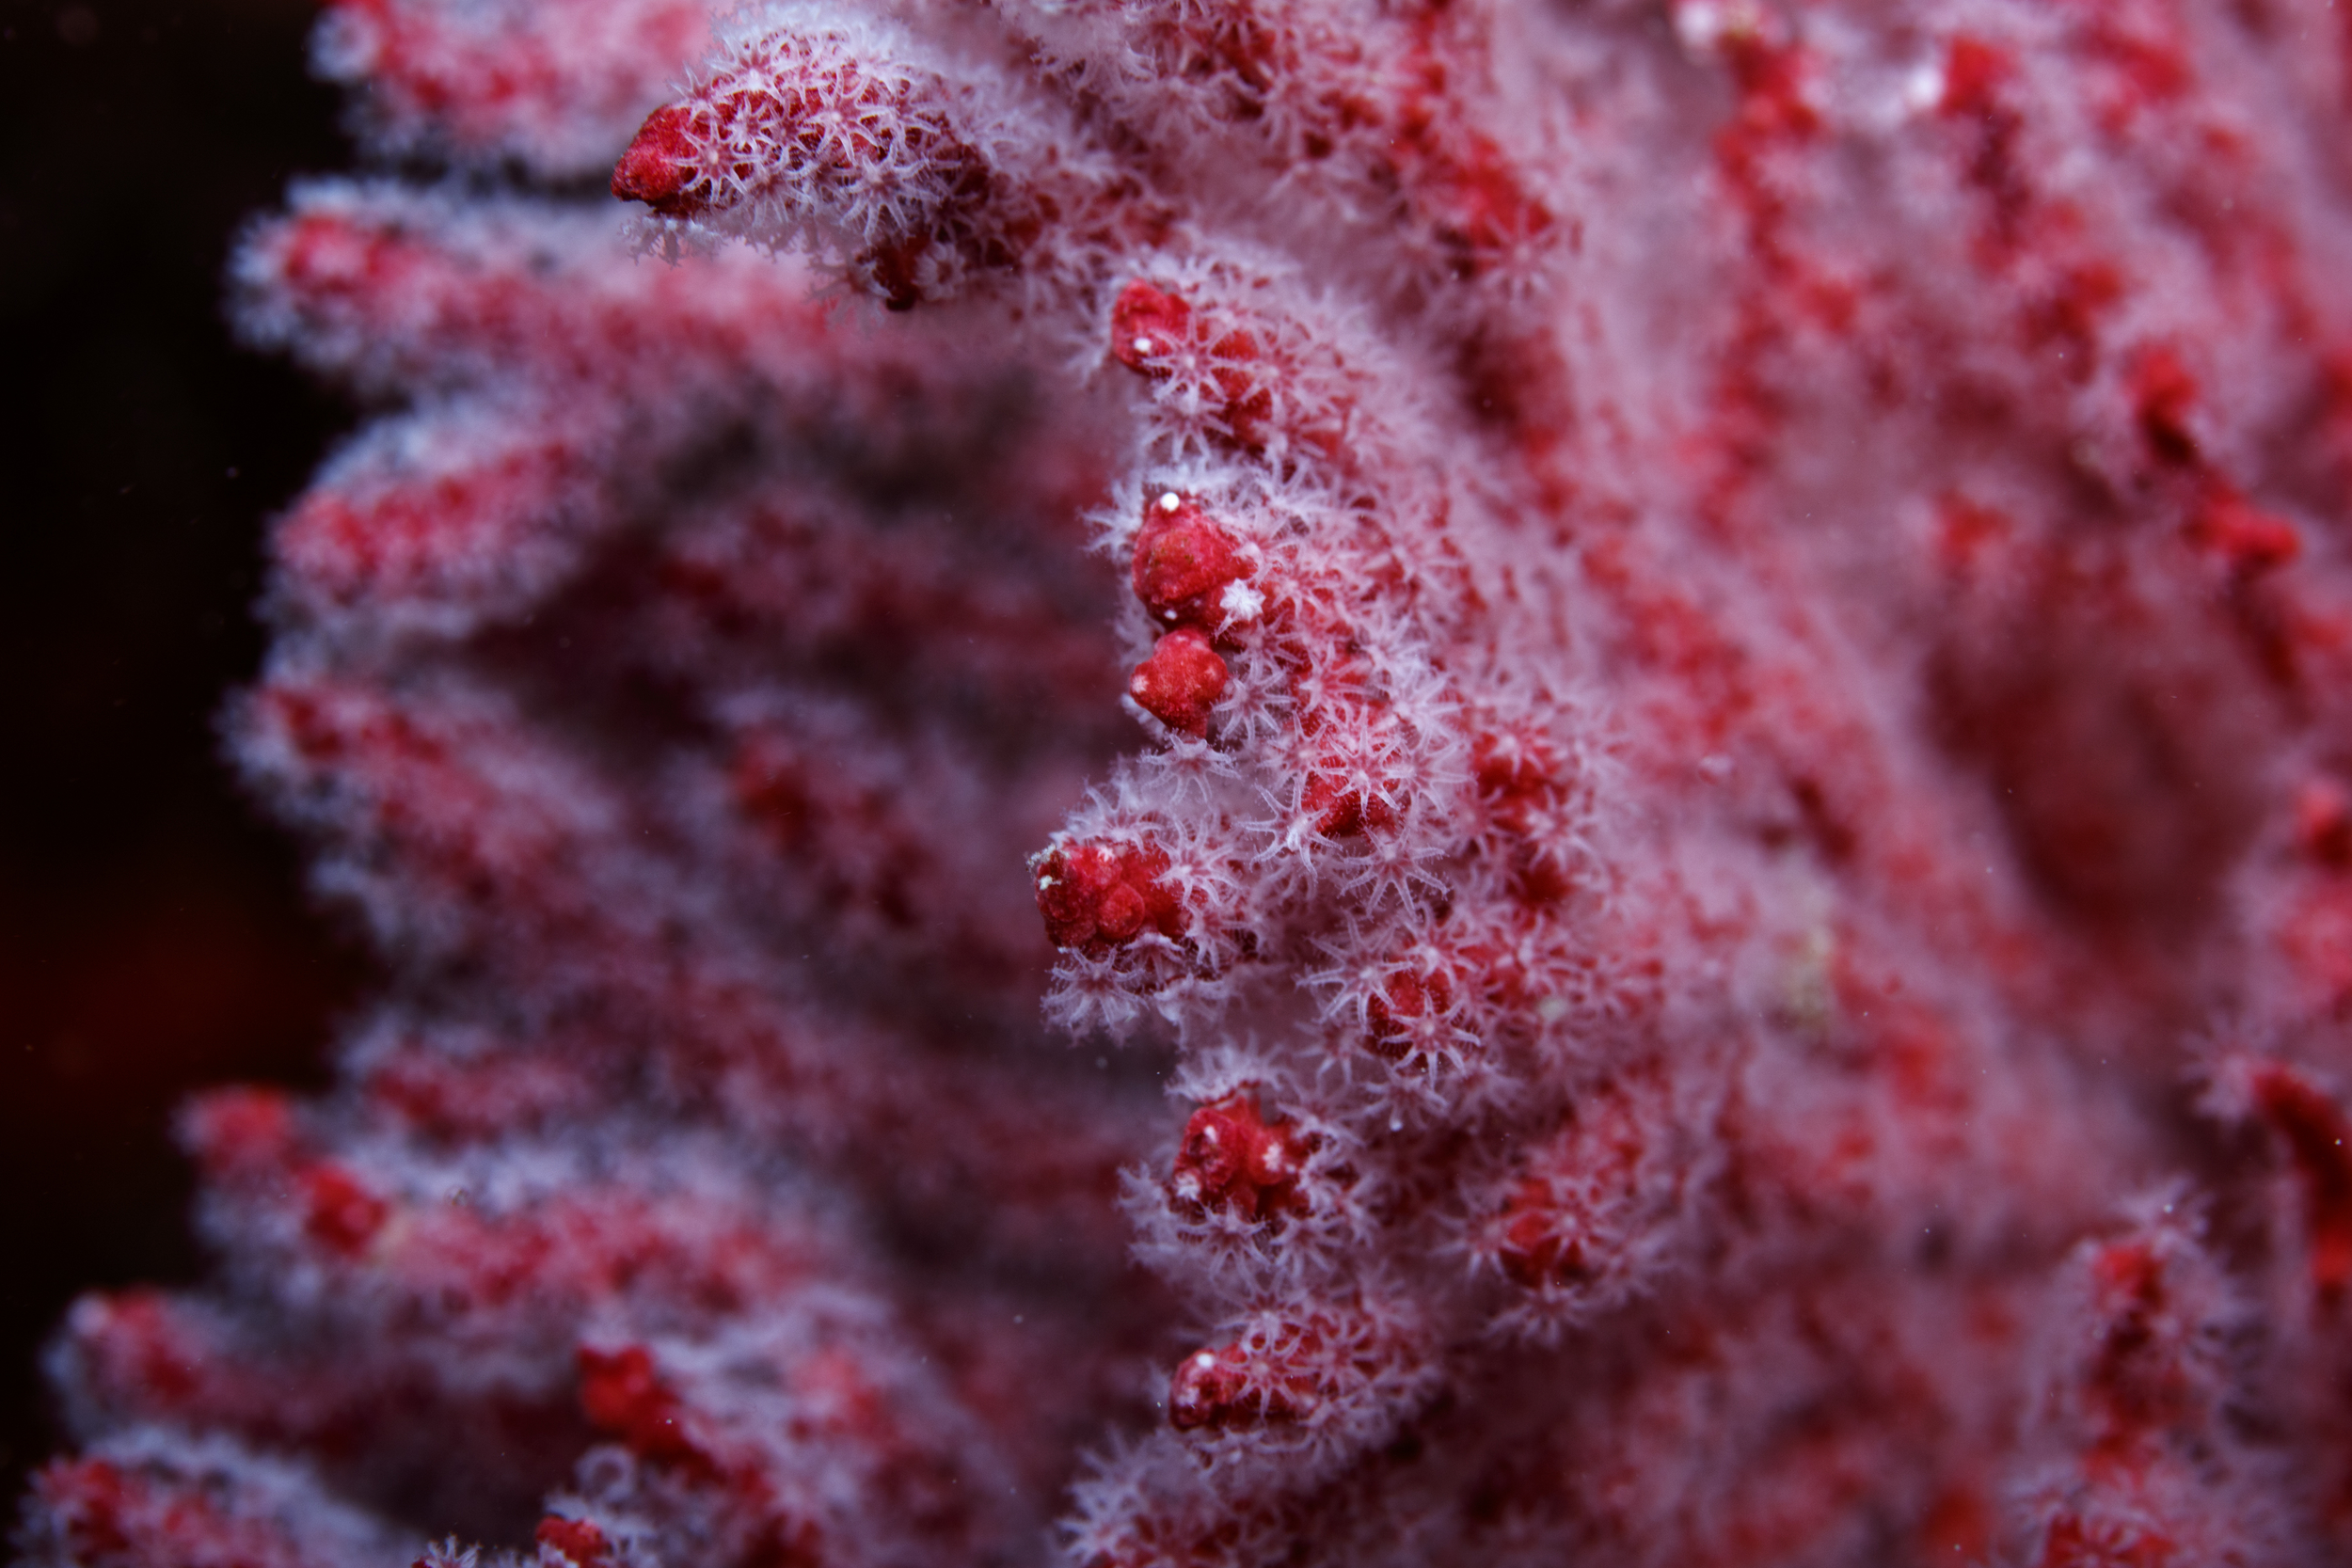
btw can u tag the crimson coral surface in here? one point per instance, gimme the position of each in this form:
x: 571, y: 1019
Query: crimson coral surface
x: 1672, y: 679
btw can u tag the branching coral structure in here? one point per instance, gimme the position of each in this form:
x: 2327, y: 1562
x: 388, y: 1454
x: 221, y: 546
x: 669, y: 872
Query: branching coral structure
x: 1652, y: 693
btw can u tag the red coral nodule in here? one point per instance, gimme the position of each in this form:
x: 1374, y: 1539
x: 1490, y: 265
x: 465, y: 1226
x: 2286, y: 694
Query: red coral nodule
x: 1341, y: 804
x: 1220, y: 1389
x: 1514, y: 768
x: 1233, y: 1159
x: 2314, y: 1129
x: 575, y: 1539
x: 242, y: 1133
x: 339, y: 1214
x: 622, y: 1393
x: 92, y: 1500
x: 1180, y: 682
x: 1096, y: 897
x: 1407, y: 1011
x: 1974, y: 73
x: 1535, y: 1251
x: 659, y: 164
x: 2323, y: 823
x: 2241, y: 537
x: 1184, y: 563
x: 1207, y: 1390
x: 1148, y: 326
x: 2166, y: 393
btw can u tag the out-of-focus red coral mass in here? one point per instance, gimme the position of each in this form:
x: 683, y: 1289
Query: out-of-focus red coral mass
x: 1677, y: 679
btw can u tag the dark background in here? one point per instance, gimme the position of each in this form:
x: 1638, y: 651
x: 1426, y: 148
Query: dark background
x: 154, y: 934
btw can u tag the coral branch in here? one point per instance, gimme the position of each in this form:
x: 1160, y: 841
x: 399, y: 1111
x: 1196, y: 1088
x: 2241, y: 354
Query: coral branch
x: 1678, y: 675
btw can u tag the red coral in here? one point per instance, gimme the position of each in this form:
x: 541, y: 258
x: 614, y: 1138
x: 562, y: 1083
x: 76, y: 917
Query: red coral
x: 658, y: 167
x: 1180, y: 682
x: 2314, y: 1129
x: 1738, y: 858
x: 574, y: 1539
x: 1232, y: 1158
x: 1220, y: 1388
x: 1184, y: 564
x: 1148, y: 325
x: 621, y: 1393
x: 1096, y: 897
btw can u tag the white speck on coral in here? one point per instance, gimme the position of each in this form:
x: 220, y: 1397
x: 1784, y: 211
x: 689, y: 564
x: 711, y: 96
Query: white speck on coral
x: 1923, y: 89
x: 1698, y: 26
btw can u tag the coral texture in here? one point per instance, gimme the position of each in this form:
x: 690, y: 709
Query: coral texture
x: 1715, y: 926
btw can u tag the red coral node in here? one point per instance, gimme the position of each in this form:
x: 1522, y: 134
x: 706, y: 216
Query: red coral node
x: 1096, y: 897
x: 1180, y: 682
x: 135, y: 1342
x: 1340, y: 806
x: 1970, y: 535
x: 329, y: 257
x: 2243, y: 539
x: 1403, y: 1011
x: 339, y: 1214
x: 1184, y: 564
x: 2074, y: 1541
x: 660, y: 164
x: 575, y: 1539
x: 2323, y: 822
x: 621, y: 1393
x: 1775, y: 82
x: 1148, y: 326
x: 1221, y: 1389
x: 1511, y: 767
x: 2164, y: 393
x: 1232, y: 1158
x: 241, y: 1131
x: 2135, y: 1375
x: 1974, y: 71
x: 91, y: 1498
x: 1534, y: 1250
x: 1569, y: 1219
x: 108, y: 1515
x: 1520, y: 781
x: 2314, y: 1129
x: 1207, y: 1390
